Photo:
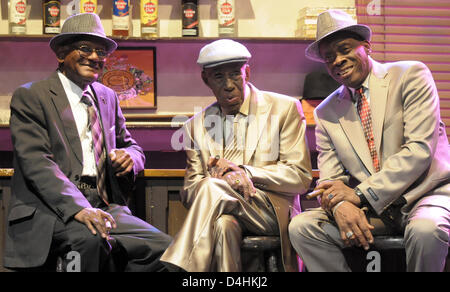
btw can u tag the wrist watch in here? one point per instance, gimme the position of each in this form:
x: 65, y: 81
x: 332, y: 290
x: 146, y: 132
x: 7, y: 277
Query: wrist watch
x: 362, y: 198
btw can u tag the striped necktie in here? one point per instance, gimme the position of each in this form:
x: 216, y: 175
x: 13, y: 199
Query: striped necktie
x: 99, y: 149
x: 233, y: 150
x: 366, y: 121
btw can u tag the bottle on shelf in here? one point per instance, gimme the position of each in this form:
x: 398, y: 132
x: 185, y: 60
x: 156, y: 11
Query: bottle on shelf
x: 189, y: 12
x: 121, y: 18
x: 226, y: 16
x: 149, y: 18
x: 51, y: 16
x: 17, y: 16
x: 88, y: 6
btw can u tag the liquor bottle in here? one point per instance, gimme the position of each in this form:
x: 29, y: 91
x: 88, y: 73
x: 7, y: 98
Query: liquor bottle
x: 227, y: 21
x: 149, y: 18
x: 52, y: 16
x: 17, y: 16
x: 121, y: 18
x: 189, y: 12
x: 88, y: 6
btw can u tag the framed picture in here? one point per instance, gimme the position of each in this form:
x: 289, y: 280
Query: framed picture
x: 131, y: 73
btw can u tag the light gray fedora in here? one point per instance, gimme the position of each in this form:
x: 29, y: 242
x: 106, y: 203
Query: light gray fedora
x: 83, y: 24
x: 333, y: 21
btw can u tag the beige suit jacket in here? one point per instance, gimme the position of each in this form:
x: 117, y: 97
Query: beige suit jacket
x: 409, y: 135
x: 276, y: 155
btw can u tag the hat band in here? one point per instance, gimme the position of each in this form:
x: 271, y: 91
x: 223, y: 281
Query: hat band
x: 214, y: 64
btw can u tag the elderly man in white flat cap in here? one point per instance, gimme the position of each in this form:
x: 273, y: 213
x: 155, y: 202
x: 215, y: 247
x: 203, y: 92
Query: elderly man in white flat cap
x: 74, y: 165
x: 247, y: 161
x: 384, y: 156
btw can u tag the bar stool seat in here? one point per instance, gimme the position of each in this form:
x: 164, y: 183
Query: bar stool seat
x: 393, y: 256
x: 267, y: 247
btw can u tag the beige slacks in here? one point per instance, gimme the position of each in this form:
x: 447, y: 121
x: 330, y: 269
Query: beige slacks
x: 211, y: 235
x: 317, y: 240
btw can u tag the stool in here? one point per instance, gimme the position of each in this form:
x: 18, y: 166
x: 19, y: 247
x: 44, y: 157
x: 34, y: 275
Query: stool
x: 267, y: 246
x: 392, y: 251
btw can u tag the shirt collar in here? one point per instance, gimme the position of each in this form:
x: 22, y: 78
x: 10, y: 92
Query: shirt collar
x: 70, y: 86
x: 245, y: 107
x: 365, y: 86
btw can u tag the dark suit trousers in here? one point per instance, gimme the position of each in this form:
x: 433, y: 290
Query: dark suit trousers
x: 140, y: 245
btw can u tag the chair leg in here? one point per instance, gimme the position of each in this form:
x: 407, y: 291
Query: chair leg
x: 272, y: 262
x: 447, y: 264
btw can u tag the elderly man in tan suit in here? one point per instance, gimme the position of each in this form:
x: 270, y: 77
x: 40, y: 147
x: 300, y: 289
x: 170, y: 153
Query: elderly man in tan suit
x: 382, y: 131
x: 247, y: 161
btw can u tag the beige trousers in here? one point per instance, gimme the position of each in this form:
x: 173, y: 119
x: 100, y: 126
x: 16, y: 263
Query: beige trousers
x: 317, y: 240
x: 211, y: 235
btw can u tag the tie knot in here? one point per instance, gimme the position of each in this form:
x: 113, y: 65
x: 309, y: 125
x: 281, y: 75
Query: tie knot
x: 359, y: 95
x: 87, y: 99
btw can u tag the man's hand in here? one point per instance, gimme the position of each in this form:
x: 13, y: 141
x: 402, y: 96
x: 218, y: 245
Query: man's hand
x: 235, y: 176
x: 240, y: 182
x: 96, y: 220
x: 121, y: 162
x: 351, y: 220
x: 335, y: 192
x: 217, y: 166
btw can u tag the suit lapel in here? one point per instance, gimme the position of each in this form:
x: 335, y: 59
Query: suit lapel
x: 349, y: 121
x: 64, y: 111
x: 213, y: 131
x: 378, y: 87
x: 257, y: 122
x: 103, y: 109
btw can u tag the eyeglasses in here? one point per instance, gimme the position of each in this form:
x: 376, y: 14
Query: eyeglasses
x: 86, y: 51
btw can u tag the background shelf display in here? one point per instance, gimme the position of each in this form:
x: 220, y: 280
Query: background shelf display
x: 254, y: 18
x: 266, y: 27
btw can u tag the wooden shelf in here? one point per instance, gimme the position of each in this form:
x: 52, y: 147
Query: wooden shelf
x: 38, y: 38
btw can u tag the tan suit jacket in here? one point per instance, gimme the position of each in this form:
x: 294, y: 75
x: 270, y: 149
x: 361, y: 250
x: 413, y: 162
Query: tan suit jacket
x: 410, y: 137
x: 276, y: 155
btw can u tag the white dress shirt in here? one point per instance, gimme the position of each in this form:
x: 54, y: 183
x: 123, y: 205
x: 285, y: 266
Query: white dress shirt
x: 80, y: 113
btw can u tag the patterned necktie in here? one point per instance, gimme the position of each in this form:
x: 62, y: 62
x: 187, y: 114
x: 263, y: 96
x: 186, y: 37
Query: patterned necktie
x: 366, y: 121
x: 99, y: 149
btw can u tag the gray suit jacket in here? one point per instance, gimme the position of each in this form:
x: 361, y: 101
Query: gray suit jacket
x: 48, y: 164
x: 410, y: 137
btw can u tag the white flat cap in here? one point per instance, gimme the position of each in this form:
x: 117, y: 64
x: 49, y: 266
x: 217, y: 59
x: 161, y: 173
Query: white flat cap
x: 222, y: 52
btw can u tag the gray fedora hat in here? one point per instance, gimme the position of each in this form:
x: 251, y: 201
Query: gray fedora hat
x: 333, y: 21
x: 83, y: 24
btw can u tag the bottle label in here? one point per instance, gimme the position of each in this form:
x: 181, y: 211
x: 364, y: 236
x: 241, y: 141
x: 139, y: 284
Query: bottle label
x: 18, y: 29
x: 121, y: 14
x: 149, y: 13
x: 225, y: 11
x: 88, y: 6
x: 190, y: 19
x: 17, y: 12
x: 52, y: 10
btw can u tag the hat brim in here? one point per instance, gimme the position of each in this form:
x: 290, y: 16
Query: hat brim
x: 215, y: 64
x: 57, y: 40
x: 312, y: 51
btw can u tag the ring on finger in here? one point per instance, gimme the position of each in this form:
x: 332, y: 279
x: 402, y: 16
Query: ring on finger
x: 237, y: 181
x: 330, y: 196
x: 349, y: 234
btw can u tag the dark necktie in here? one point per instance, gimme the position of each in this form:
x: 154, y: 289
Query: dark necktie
x: 366, y: 121
x: 99, y: 149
